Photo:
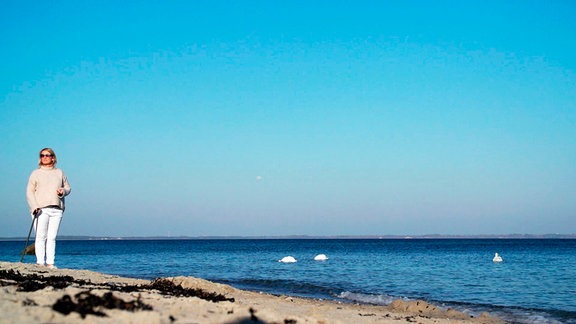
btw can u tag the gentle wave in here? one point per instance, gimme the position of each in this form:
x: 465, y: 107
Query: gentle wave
x: 295, y: 288
x: 282, y: 286
x: 367, y: 299
x: 512, y: 315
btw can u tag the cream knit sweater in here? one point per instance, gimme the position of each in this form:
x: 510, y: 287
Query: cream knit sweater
x: 42, y: 186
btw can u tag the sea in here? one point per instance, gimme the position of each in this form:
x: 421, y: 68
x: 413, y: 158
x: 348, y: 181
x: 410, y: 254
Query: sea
x: 535, y: 282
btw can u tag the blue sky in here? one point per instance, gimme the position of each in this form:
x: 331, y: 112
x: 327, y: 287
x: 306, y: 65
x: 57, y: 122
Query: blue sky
x: 297, y: 118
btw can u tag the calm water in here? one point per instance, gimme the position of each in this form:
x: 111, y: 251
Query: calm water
x: 536, y: 283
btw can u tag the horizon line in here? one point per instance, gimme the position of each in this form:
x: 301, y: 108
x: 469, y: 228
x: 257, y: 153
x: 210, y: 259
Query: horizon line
x: 264, y: 237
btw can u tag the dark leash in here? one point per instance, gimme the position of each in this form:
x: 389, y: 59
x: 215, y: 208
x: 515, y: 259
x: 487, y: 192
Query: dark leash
x: 30, y: 232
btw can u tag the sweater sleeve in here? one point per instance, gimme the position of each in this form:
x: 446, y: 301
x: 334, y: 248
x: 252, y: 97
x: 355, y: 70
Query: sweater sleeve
x: 65, y: 185
x: 30, y: 192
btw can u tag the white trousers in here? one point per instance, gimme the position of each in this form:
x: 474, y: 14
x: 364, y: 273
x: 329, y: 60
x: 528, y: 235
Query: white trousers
x: 46, y: 231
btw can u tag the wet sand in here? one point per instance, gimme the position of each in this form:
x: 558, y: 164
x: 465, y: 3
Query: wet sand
x: 30, y: 293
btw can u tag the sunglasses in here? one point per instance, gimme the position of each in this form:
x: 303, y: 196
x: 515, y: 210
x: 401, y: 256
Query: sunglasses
x: 45, y: 155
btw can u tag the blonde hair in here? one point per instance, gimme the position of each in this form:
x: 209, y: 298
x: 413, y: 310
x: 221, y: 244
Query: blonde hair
x: 49, y: 150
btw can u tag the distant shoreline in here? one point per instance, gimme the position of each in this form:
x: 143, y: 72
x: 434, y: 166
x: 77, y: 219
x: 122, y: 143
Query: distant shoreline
x: 307, y: 237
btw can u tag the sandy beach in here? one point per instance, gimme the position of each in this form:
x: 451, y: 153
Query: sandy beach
x: 30, y: 293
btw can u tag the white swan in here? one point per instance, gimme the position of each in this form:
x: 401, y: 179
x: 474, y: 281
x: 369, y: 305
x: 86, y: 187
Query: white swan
x: 497, y: 258
x: 321, y: 257
x: 287, y: 259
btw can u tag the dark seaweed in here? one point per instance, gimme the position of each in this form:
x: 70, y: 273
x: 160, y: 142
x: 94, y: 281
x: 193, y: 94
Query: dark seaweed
x: 88, y: 303
x: 65, y: 305
x: 167, y: 287
x: 33, y: 282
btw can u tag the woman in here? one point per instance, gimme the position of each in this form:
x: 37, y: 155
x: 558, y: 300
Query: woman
x: 47, y: 187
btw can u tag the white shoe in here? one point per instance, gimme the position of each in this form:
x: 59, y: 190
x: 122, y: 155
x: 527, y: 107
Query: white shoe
x: 51, y: 266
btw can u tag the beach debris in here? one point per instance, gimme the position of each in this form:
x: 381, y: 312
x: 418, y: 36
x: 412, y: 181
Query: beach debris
x: 31, y: 285
x: 88, y: 303
x: 254, y: 319
x: 29, y: 302
x: 425, y: 309
x: 34, y: 282
x: 65, y: 306
x: 253, y: 316
x: 168, y: 287
x: 287, y: 259
x: 497, y: 258
x: 321, y: 257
